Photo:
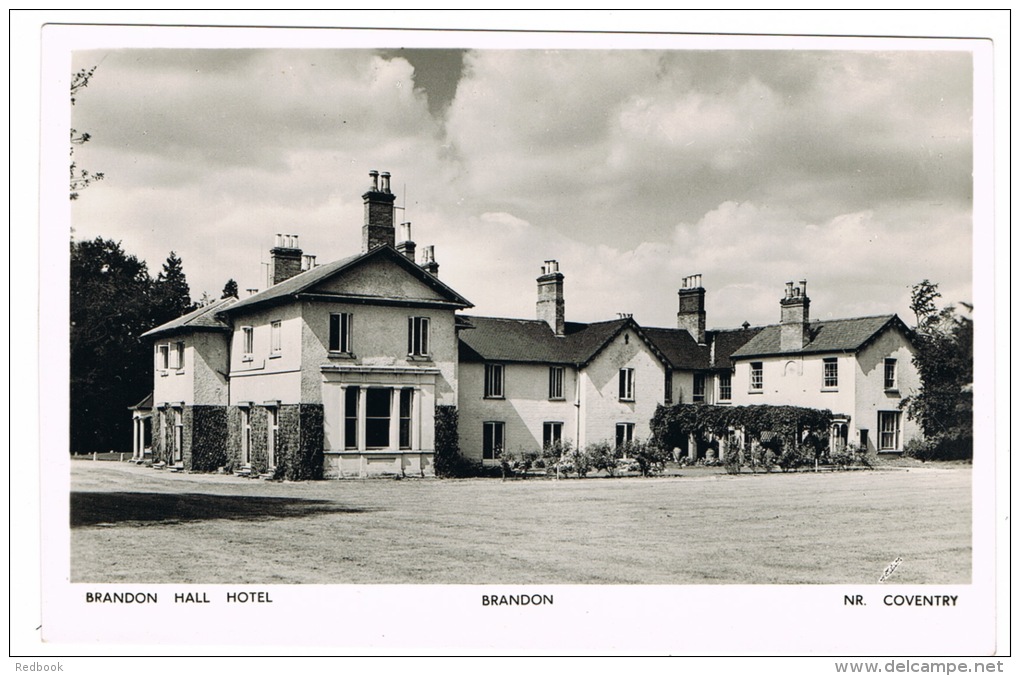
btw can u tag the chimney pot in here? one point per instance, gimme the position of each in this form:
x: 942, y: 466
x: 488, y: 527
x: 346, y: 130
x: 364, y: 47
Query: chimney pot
x: 374, y: 175
x: 385, y: 176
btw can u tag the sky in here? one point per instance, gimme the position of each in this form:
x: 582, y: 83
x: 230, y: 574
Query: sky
x: 632, y: 168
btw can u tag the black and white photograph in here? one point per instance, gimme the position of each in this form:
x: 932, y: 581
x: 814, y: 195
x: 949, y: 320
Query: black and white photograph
x: 527, y: 333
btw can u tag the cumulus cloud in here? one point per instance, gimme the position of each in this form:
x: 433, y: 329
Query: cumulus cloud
x: 633, y: 168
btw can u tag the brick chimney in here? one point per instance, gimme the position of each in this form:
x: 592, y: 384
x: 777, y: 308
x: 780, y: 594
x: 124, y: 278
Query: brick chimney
x: 691, y: 315
x: 428, y: 262
x: 406, y: 245
x: 793, y: 324
x: 285, y: 258
x: 378, y: 228
x: 550, y: 306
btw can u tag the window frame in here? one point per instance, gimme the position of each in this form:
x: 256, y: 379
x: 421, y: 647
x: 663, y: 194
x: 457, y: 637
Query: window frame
x: 275, y: 338
x: 756, y: 385
x: 405, y: 423
x: 830, y: 374
x: 343, y: 338
x: 557, y: 374
x: 725, y: 386
x: 699, y: 389
x: 177, y: 356
x: 352, y: 399
x: 891, y: 384
x: 419, y: 343
x: 247, y: 343
x: 494, y: 381
x: 667, y: 387
x: 626, y: 384
x: 163, y: 357
x: 896, y: 418
x: 628, y: 434
x: 552, y: 433
x: 490, y: 449
x: 378, y: 432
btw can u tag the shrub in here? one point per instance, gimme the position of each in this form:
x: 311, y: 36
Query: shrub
x: 650, y: 458
x: 941, y: 447
x: 512, y: 463
x: 448, y: 461
x: 605, y: 457
x: 790, y: 459
x: 731, y: 459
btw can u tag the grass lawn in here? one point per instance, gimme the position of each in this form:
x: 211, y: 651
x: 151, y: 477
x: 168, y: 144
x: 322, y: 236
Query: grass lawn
x: 135, y: 524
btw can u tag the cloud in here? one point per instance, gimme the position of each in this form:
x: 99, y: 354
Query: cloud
x: 633, y: 168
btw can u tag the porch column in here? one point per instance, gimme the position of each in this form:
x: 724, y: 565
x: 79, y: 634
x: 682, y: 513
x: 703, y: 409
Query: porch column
x: 416, y: 419
x: 342, y: 432
x: 394, y: 419
x: 362, y: 417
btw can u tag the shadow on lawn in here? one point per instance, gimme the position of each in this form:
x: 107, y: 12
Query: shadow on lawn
x: 90, y: 509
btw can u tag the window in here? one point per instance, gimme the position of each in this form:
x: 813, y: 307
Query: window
x: 351, y: 417
x: 699, y: 388
x: 275, y: 339
x: 888, y: 430
x: 340, y: 332
x: 418, y: 336
x: 177, y: 356
x: 624, y: 433
x: 890, y: 374
x: 725, y: 386
x: 626, y: 384
x: 556, y: 382
x: 406, y: 397
x: 377, y: 417
x: 667, y: 394
x: 493, y: 381
x: 272, y: 429
x: 757, y: 382
x: 163, y: 357
x: 492, y: 440
x: 864, y: 440
x: 552, y: 434
x: 830, y: 373
x: 248, y: 341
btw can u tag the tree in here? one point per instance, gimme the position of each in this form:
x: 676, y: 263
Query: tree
x: 230, y: 289
x: 110, y: 368
x: 171, y: 296
x: 80, y: 178
x: 944, y: 406
x: 113, y: 302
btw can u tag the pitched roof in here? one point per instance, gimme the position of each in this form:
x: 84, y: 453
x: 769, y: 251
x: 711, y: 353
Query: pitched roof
x: 834, y: 335
x: 308, y: 279
x: 680, y: 348
x: 532, y: 340
x: 202, y: 319
x: 728, y: 341
x: 143, y: 405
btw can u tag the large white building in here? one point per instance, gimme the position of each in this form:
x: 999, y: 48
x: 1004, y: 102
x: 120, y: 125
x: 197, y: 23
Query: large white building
x: 338, y: 369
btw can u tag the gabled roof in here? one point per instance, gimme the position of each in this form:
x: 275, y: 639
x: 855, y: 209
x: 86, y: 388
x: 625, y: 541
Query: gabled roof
x: 680, y: 348
x: 143, y: 405
x: 202, y: 319
x: 533, y: 341
x: 726, y: 342
x: 289, y: 288
x: 834, y: 335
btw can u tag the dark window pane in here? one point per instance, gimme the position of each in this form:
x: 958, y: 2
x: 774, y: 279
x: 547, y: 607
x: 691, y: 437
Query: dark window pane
x: 334, y: 332
x: 377, y: 432
x: 378, y: 403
